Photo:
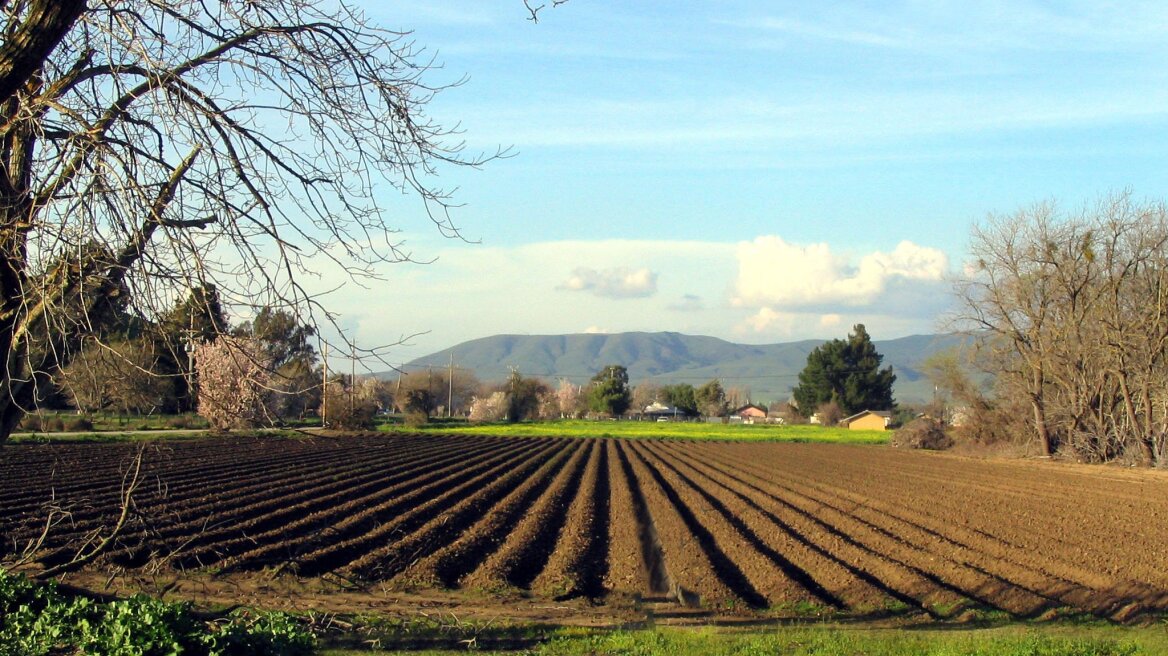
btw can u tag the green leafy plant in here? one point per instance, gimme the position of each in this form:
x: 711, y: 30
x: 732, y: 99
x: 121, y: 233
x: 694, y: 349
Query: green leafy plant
x: 38, y: 619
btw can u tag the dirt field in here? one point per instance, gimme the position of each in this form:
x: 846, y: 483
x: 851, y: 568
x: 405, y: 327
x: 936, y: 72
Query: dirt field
x: 557, y: 528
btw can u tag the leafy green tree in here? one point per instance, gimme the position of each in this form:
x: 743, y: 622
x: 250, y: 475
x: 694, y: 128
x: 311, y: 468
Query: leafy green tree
x: 288, y: 347
x: 609, y: 392
x: 681, y: 396
x: 285, y: 338
x: 198, y: 319
x: 523, y: 397
x: 711, y: 399
x: 847, y: 373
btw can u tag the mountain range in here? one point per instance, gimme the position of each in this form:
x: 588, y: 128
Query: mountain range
x: 769, y: 371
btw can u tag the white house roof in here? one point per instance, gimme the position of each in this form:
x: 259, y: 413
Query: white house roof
x: 658, y: 408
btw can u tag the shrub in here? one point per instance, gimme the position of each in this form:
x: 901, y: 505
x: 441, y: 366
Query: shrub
x: 829, y: 413
x: 353, y: 407
x: 36, y: 619
x: 32, y: 423
x: 79, y: 425
x: 184, y: 422
x: 923, y: 433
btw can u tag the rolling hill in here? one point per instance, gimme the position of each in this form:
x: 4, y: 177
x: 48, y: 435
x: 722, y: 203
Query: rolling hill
x: 769, y: 371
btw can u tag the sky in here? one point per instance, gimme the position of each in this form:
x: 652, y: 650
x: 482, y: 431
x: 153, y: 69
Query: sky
x: 756, y: 171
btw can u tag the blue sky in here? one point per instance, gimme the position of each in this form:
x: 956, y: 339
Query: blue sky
x: 755, y: 171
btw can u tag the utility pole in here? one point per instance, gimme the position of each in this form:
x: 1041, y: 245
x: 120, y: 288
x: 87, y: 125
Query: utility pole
x: 189, y: 347
x: 450, y: 386
x: 397, y: 391
x: 324, y: 389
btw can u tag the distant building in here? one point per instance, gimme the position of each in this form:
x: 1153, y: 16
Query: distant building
x: 751, y: 410
x: 658, y: 410
x: 869, y: 420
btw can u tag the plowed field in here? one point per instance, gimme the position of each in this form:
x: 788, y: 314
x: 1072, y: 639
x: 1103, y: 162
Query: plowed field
x: 733, y: 526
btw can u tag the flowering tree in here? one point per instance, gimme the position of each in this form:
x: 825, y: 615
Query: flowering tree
x: 235, y: 383
x: 489, y: 408
x: 570, y: 399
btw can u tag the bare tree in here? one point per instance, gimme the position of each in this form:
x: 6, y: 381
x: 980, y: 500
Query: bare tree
x: 150, y: 147
x: 118, y: 376
x: 1075, y: 311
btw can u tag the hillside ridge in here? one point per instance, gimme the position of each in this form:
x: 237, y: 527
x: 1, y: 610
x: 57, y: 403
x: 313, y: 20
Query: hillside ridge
x: 769, y: 371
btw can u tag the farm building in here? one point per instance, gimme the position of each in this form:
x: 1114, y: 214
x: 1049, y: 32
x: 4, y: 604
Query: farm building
x: 658, y: 410
x: 869, y: 420
x: 750, y: 411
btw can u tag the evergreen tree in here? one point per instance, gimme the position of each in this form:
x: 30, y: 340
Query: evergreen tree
x: 847, y: 372
x: 610, y: 392
x: 711, y: 399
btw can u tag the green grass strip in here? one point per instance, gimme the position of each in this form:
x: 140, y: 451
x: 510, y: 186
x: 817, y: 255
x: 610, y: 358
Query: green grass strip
x: 668, y: 430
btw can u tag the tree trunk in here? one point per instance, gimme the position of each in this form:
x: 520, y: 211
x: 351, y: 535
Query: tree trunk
x: 1038, y: 404
x: 27, y: 44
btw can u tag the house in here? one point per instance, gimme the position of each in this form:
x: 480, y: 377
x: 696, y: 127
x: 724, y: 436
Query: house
x: 869, y: 420
x: 780, y: 413
x: 749, y: 413
x: 660, y: 411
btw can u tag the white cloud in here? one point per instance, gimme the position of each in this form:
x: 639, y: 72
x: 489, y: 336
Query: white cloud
x: 830, y: 320
x: 725, y: 290
x: 764, y: 320
x: 774, y: 273
x: 620, y: 282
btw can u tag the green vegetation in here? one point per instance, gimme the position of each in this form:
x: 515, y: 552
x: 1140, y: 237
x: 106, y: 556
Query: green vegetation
x: 673, y: 430
x: 810, y: 641
x: 609, y: 392
x: 1029, y: 640
x: 37, y: 618
x: 846, y: 373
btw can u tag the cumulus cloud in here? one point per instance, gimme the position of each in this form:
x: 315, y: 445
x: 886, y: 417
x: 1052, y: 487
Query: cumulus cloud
x: 620, y: 282
x: 764, y: 320
x: 830, y: 320
x: 775, y: 274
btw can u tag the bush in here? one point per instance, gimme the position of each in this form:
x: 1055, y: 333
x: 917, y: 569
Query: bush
x: 415, y: 419
x: 184, y: 422
x: 32, y: 423
x: 923, y: 433
x: 36, y: 619
x: 79, y: 425
x: 829, y: 413
x: 350, y: 408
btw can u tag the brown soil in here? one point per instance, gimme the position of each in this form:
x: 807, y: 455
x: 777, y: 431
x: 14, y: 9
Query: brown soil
x: 563, y: 531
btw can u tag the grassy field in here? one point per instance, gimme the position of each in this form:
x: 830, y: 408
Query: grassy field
x: 67, y: 426
x: 673, y: 430
x: 1009, y: 640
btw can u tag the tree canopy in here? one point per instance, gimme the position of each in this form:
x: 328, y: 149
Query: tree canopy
x: 847, y: 372
x: 609, y: 391
x: 149, y: 147
x: 711, y: 399
x: 1073, y: 314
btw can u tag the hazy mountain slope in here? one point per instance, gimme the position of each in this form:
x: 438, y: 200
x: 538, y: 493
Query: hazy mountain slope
x: 769, y: 371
